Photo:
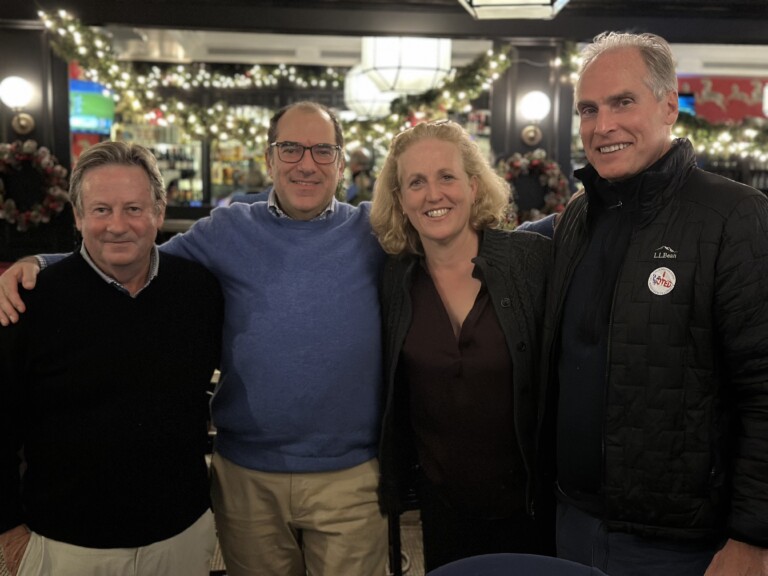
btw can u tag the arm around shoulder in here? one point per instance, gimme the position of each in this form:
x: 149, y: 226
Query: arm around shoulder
x: 23, y: 272
x: 545, y: 226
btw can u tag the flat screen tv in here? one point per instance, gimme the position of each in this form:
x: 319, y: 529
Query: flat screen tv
x: 91, y: 108
x: 687, y: 103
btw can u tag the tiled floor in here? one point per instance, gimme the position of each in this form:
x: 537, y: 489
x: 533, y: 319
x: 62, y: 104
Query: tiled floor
x: 217, y: 563
x: 410, y: 534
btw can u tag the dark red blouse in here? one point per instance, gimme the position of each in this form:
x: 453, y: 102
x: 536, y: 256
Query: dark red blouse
x: 461, y: 404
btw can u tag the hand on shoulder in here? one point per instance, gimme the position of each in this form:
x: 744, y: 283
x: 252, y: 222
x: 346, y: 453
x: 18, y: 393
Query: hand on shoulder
x: 23, y: 272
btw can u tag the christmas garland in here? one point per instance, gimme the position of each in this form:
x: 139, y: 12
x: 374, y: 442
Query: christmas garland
x: 17, y: 157
x: 158, y: 92
x: 555, y: 185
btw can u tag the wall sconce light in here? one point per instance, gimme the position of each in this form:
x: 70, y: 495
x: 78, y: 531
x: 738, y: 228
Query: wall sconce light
x: 534, y: 107
x: 16, y: 93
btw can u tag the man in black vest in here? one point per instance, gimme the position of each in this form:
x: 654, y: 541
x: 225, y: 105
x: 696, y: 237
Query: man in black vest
x: 655, y: 343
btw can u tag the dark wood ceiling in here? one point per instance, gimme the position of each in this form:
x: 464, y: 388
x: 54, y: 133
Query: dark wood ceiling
x: 672, y: 8
x: 713, y: 8
x: 695, y: 21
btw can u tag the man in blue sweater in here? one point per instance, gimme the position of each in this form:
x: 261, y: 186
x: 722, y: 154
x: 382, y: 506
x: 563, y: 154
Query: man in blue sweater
x: 297, y: 410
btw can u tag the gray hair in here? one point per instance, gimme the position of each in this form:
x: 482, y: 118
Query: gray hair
x: 122, y: 154
x: 393, y: 229
x: 654, y: 50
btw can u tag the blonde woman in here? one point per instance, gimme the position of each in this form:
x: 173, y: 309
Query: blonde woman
x: 462, y: 310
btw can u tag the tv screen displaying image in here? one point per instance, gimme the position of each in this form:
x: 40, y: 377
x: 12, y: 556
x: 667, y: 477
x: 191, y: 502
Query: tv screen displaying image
x: 687, y: 103
x: 91, y: 108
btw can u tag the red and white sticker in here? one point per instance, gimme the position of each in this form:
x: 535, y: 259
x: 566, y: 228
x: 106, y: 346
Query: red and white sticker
x: 661, y: 281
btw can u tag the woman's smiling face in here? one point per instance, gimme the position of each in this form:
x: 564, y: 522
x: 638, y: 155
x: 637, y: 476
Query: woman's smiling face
x: 437, y: 194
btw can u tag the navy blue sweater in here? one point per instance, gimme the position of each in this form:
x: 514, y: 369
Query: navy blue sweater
x: 107, y: 396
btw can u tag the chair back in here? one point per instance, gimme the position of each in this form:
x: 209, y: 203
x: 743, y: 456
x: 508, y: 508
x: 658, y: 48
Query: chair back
x: 514, y: 565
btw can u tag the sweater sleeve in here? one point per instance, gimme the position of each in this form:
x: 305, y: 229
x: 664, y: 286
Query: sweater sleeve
x: 11, y: 383
x: 45, y: 260
x: 188, y: 244
x: 741, y: 311
x: 211, y: 239
x: 545, y: 226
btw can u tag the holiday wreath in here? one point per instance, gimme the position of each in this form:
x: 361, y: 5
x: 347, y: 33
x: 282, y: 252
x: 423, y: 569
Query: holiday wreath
x: 544, y: 172
x: 32, y: 184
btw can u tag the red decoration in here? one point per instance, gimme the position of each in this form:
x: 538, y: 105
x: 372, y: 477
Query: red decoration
x: 14, y: 159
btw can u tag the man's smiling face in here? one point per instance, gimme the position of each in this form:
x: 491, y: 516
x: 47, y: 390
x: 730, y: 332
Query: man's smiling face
x: 304, y: 188
x: 624, y: 128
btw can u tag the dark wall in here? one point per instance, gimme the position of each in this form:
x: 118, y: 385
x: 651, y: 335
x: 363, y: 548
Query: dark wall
x: 28, y: 56
x: 530, y: 70
x: 32, y: 60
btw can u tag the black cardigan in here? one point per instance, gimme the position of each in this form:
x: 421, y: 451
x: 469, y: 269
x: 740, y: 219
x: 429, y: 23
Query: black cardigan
x: 514, y: 266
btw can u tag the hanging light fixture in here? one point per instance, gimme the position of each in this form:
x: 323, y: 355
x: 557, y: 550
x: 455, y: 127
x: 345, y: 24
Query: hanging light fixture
x: 513, y: 9
x: 363, y: 97
x: 406, y: 64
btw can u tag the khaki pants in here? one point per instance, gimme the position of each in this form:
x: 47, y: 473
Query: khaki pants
x: 314, y: 524
x: 186, y: 554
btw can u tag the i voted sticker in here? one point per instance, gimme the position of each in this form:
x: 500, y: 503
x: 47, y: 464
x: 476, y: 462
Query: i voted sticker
x: 661, y: 281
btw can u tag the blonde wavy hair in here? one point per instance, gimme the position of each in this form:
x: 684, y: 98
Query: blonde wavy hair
x: 392, y: 228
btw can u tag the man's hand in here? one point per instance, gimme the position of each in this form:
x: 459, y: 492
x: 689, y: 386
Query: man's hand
x: 13, y: 543
x: 739, y: 559
x: 24, y: 271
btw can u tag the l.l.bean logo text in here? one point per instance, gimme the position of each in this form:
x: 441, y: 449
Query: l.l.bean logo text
x: 665, y: 253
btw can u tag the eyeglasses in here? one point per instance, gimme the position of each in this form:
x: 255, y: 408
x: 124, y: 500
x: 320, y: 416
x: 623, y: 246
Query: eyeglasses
x: 293, y: 152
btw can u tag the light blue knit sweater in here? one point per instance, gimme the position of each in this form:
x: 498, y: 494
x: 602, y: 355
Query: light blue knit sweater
x: 301, y: 369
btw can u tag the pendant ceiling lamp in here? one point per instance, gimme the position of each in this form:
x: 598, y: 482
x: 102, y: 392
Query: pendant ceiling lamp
x: 513, y: 9
x: 405, y: 64
x: 363, y: 97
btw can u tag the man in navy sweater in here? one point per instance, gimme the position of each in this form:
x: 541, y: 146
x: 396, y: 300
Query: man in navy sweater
x: 103, y: 385
x: 297, y: 409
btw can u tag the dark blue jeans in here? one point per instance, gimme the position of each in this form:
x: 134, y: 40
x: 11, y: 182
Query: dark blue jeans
x: 584, y: 539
